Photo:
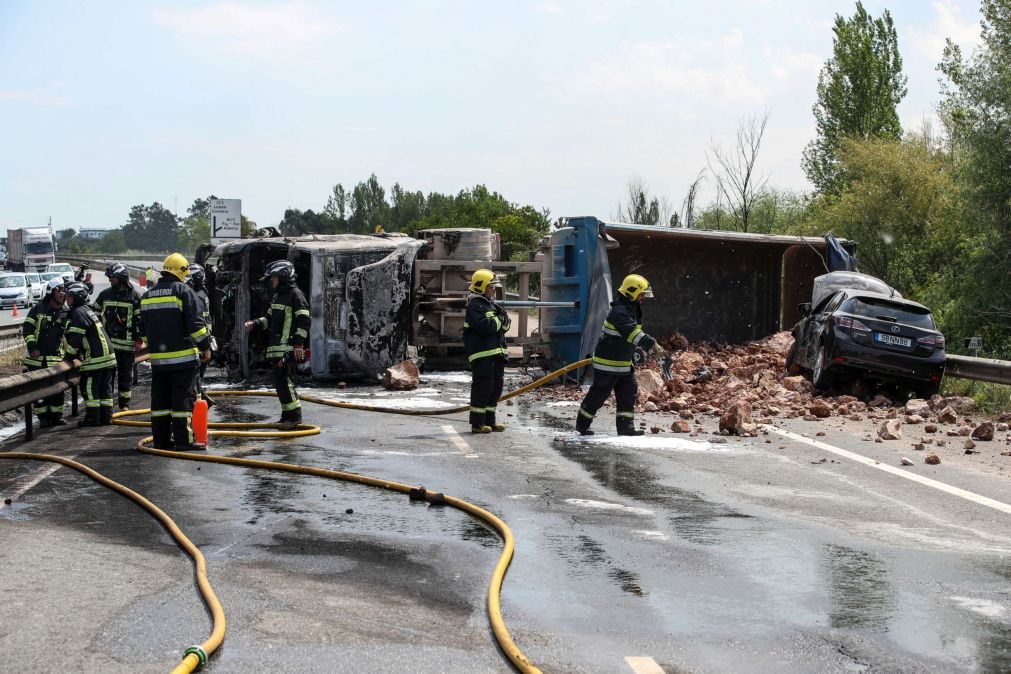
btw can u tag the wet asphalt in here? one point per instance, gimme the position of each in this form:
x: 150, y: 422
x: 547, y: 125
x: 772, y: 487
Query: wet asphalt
x: 740, y: 556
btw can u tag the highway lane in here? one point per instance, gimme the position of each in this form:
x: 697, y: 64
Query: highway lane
x: 763, y: 554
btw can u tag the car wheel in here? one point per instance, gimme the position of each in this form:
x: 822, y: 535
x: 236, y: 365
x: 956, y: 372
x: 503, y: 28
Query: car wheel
x: 820, y: 376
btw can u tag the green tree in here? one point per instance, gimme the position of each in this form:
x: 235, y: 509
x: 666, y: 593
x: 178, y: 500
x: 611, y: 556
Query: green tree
x: 976, y: 110
x: 858, y: 91
x: 367, y: 206
x: 66, y: 234
x: 300, y: 223
x: 151, y: 228
x: 113, y: 242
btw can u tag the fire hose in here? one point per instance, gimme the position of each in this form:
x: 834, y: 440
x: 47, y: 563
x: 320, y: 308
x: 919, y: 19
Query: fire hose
x: 195, y: 657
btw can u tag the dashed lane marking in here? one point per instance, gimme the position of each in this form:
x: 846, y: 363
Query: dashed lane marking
x: 29, y: 481
x: 459, y: 442
x: 643, y: 664
x: 873, y: 463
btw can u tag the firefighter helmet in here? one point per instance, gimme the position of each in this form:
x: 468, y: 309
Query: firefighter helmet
x: 633, y: 286
x: 483, y: 278
x: 197, y: 275
x: 176, y: 265
x: 79, y: 293
x: 118, y: 270
x: 282, y: 269
x: 55, y: 284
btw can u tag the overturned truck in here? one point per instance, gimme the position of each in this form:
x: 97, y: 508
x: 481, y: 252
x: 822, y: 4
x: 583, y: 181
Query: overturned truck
x: 373, y: 299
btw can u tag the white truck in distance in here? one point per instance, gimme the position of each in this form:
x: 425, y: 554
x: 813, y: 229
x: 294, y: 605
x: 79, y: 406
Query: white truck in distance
x: 30, y: 249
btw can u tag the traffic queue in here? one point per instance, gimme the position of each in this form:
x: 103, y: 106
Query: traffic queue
x: 172, y: 319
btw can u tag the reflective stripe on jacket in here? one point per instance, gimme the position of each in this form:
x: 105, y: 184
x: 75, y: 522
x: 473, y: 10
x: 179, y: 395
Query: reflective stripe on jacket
x: 484, y: 329
x: 171, y: 324
x: 287, y: 321
x: 86, y: 340
x: 119, y: 308
x: 622, y: 332
x: 43, y: 329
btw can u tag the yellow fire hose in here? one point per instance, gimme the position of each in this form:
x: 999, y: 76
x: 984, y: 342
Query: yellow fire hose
x: 196, y: 656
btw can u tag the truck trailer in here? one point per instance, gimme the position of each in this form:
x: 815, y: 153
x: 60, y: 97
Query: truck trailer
x: 30, y: 249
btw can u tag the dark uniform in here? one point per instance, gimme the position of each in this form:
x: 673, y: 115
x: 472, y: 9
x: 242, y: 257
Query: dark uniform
x: 120, y: 310
x: 612, y: 365
x: 484, y: 330
x: 43, y: 329
x: 171, y: 324
x: 87, y: 341
x: 287, y: 324
x: 204, y: 304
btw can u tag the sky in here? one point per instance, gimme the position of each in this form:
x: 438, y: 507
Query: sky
x: 554, y: 103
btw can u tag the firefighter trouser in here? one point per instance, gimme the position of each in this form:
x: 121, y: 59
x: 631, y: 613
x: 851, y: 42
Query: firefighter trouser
x: 124, y: 375
x: 96, y: 389
x: 624, y: 387
x: 485, y: 389
x: 291, y: 406
x: 173, y: 393
x: 51, y: 407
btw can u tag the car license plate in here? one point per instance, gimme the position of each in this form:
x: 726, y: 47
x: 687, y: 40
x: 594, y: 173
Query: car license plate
x: 892, y: 340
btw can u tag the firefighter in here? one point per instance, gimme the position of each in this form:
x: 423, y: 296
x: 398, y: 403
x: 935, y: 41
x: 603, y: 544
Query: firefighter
x: 484, y: 329
x: 119, y: 307
x: 86, y: 340
x: 196, y: 280
x: 43, y: 332
x: 287, y: 323
x: 612, y: 359
x: 178, y: 342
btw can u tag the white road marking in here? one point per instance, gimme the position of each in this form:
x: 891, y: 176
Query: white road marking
x: 607, y: 505
x: 29, y: 481
x: 873, y: 463
x: 643, y: 664
x: 459, y: 442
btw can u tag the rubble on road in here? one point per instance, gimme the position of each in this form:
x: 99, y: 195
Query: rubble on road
x: 984, y: 431
x: 403, y: 376
x: 890, y: 430
x: 932, y: 459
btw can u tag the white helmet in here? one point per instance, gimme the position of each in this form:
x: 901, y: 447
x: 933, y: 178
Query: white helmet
x: 54, y: 283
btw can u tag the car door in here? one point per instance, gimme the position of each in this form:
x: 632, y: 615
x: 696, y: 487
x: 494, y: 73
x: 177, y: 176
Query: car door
x: 814, y: 325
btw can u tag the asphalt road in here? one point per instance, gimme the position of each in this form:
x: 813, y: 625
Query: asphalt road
x: 784, y: 553
x: 97, y: 277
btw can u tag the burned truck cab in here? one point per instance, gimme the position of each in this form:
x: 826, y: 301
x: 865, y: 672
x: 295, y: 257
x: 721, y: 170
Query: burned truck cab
x: 359, y: 294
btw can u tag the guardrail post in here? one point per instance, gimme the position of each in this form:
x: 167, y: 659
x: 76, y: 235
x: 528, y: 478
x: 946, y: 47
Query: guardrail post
x: 73, y: 401
x: 28, y: 421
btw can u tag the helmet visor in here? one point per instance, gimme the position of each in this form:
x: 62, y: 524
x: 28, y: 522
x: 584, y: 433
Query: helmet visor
x: 648, y: 292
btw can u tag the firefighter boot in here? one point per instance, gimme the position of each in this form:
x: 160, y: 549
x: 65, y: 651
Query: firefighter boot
x: 56, y: 419
x: 105, y: 416
x: 583, y: 423
x: 626, y: 426
x: 489, y: 421
x: 182, y: 433
x: 124, y: 403
x: 161, y: 429
x: 90, y: 418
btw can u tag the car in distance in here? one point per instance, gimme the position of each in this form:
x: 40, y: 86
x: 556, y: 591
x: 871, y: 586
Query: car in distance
x: 880, y: 337
x: 14, y: 290
x: 66, y: 271
x: 46, y: 276
x: 37, y: 284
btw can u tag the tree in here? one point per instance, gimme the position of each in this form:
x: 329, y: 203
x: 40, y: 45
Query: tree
x: 151, y: 228
x: 337, y: 207
x: 367, y: 206
x: 976, y: 110
x: 737, y: 182
x: 689, y: 208
x: 66, y: 234
x: 113, y: 242
x: 858, y: 91
x: 643, y: 208
x: 300, y: 223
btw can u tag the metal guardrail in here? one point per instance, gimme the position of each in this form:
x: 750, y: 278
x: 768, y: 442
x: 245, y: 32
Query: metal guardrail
x: 23, y: 390
x: 979, y: 369
x: 10, y: 331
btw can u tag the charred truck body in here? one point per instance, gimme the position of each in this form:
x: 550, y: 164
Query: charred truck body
x: 374, y: 297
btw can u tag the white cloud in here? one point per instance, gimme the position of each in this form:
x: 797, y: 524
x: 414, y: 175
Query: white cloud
x: 689, y: 68
x: 948, y: 22
x: 549, y: 8
x: 250, y: 29
x: 785, y: 64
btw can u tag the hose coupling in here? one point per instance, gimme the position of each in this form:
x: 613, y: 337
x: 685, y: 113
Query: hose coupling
x: 422, y: 494
x: 199, y: 652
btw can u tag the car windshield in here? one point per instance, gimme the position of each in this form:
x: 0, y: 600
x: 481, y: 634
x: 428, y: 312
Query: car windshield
x: 890, y: 311
x: 60, y: 267
x: 13, y: 281
x: 39, y: 247
x: 50, y: 274
x: 34, y: 278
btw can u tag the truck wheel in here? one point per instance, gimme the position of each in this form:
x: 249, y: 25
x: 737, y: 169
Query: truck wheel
x: 820, y: 376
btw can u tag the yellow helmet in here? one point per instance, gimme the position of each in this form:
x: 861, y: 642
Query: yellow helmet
x: 635, y: 285
x: 176, y: 264
x: 483, y: 278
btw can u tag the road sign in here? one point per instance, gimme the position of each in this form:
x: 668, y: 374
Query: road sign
x: 974, y: 344
x: 226, y: 219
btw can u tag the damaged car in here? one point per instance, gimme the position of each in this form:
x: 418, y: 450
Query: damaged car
x: 869, y: 332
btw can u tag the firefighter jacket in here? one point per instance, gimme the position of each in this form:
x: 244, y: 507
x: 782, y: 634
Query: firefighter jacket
x: 621, y: 334
x: 170, y: 322
x: 87, y: 341
x: 287, y: 322
x: 204, y: 301
x: 119, y: 308
x: 484, y: 328
x: 43, y: 329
